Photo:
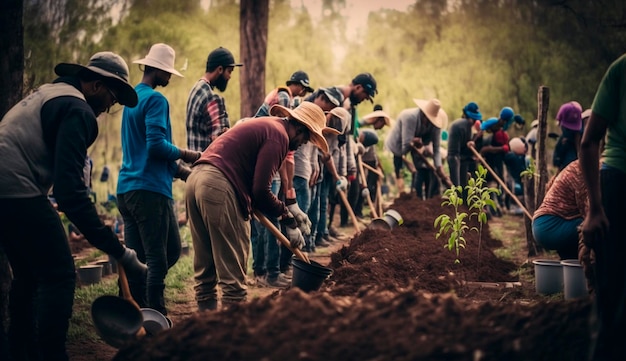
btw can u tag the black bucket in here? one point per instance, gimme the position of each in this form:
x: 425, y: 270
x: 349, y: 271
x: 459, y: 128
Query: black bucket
x: 309, y: 277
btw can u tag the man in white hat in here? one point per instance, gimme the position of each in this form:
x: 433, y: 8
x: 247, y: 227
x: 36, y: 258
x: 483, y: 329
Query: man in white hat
x: 43, y: 142
x: 414, y: 128
x: 232, y: 177
x: 144, y: 187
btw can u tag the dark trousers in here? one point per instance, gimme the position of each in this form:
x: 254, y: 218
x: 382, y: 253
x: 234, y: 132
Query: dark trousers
x: 609, y: 316
x: 151, y: 229
x: 42, y: 291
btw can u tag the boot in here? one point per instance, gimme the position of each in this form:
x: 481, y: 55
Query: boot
x: 207, y: 305
x: 156, y: 299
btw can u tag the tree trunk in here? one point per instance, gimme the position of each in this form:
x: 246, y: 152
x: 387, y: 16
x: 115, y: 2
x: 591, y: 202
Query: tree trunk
x: 253, y: 28
x: 11, y: 87
x: 543, y: 99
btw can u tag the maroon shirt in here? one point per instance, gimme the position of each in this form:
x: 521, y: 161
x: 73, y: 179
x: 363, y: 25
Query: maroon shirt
x: 248, y: 155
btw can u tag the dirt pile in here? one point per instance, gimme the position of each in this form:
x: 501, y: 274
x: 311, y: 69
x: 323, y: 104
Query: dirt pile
x: 389, y: 299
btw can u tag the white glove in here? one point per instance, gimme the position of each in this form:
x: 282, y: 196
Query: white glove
x: 365, y: 192
x: 304, y: 223
x: 295, y: 237
x: 342, y: 184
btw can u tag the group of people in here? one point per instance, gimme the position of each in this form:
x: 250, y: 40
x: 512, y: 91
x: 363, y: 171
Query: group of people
x: 286, y: 163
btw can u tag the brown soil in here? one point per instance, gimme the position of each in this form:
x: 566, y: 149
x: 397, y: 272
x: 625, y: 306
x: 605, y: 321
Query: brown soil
x: 395, y: 295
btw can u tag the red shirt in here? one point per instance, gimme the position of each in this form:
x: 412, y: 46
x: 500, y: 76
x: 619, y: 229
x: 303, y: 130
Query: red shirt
x: 248, y: 155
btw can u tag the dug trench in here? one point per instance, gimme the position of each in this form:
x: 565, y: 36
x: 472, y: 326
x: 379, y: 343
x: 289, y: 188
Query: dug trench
x: 393, y: 295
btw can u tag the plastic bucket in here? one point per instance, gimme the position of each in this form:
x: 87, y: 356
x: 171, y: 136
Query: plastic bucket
x: 90, y: 274
x: 154, y: 321
x: 106, y: 267
x: 548, y: 276
x: 309, y: 277
x: 390, y: 220
x: 574, y: 282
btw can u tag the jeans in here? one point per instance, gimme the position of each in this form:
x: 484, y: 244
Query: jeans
x: 42, y: 291
x: 556, y: 233
x: 151, y: 229
x: 325, y: 190
x: 314, y: 213
x: 220, y: 234
x: 265, y: 248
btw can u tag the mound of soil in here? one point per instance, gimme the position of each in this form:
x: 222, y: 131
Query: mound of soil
x: 395, y: 295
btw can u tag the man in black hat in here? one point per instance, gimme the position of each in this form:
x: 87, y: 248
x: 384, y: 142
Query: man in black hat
x: 206, y: 111
x: 43, y: 142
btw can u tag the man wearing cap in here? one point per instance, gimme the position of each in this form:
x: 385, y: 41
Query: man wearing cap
x: 206, y: 111
x: 144, y: 186
x: 43, y: 142
x: 460, y: 157
x: 414, y: 128
x: 569, y: 118
x: 231, y: 178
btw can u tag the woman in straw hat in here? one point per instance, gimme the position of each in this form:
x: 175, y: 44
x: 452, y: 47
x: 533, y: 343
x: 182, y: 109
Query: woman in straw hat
x: 414, y: 128
x: 230, y: 179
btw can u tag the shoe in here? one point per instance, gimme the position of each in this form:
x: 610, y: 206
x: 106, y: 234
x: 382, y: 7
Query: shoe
x: 321, y: 243
x: 261, y: 281
x: 328, y: 238
x: 278, y: 282
x: 287, y: 275
x: 334, y: 232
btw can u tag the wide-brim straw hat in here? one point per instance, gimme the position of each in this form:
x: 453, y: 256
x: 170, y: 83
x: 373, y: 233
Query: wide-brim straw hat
x: 434, y: 113
x: 312, y: 116
x: 161, y: 56
x: 370, y: 118
x: 108, y: 65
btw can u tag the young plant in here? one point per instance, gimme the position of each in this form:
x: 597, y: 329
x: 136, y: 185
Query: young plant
x: 455, y: 227
x: 479, y: 197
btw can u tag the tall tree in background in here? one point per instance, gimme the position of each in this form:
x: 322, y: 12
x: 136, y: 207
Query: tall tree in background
x: 253, y: 26
x: 11, y: 85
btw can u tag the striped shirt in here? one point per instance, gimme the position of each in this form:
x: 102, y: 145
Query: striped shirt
x: 206, y: 116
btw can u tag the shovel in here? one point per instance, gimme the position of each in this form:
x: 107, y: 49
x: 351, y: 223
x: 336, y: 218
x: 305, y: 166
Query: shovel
x: 118, y: 320
x: 280, y: 236
x: 501, y: 182
x: 364, y: 181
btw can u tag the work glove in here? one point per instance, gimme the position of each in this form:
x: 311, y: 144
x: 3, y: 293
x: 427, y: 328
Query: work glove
x: 293, y: 233
x: 182, y: 172
x: 365, y: 192
x: 135, y: 270
x: 189, y: 156
x: 304, y: 223
x: 342, y: 184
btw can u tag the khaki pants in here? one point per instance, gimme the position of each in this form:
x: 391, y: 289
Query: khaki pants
x: 221, y: 236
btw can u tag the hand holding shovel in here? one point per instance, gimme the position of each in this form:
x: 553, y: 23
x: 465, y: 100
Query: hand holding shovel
x: 280, y: 236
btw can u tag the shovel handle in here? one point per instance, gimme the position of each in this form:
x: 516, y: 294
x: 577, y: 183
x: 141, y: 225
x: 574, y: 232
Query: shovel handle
x: 128, y: 296
x: 355, y: 222
x: 372, y: 169
x: 364, y: 181
x: 501, y: 182
x: 280, y: 236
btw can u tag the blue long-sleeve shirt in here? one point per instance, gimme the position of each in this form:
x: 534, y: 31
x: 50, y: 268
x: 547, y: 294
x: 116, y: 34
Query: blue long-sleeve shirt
x: 149, y: 157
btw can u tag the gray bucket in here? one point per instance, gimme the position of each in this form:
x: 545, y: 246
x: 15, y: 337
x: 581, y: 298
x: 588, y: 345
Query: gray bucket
x: 389, y: 221
x: 574, y: 282
x: 308, y: 277
x: 548, y: 276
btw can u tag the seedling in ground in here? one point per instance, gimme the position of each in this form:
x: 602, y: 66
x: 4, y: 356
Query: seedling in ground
x: 455, y: 227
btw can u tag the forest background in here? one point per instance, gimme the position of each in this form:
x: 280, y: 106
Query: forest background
x: 494, y: 52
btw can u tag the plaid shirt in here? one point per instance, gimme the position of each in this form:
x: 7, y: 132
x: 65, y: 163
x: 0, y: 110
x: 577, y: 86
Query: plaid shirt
x: 206, y: 116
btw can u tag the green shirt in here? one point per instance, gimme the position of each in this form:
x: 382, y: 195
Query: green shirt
x: 610, y: 104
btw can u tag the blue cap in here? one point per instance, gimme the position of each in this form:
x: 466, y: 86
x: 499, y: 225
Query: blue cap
x: 471, y: 110
x: 487, y: 124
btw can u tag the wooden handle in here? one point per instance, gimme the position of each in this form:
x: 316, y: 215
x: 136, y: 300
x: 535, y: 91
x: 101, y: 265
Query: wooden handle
x: 280, y: 236
x: 370, y: 168
x: 446, y: 181
x: 127, y: 295
x: 506, y: 189
x: 379, y: 196
x: 364, y: 181
x: 355, y: 222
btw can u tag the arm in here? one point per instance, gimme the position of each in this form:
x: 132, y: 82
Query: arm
x: 269, y: 159
x: 216, y: 108
x: 157, y: 121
